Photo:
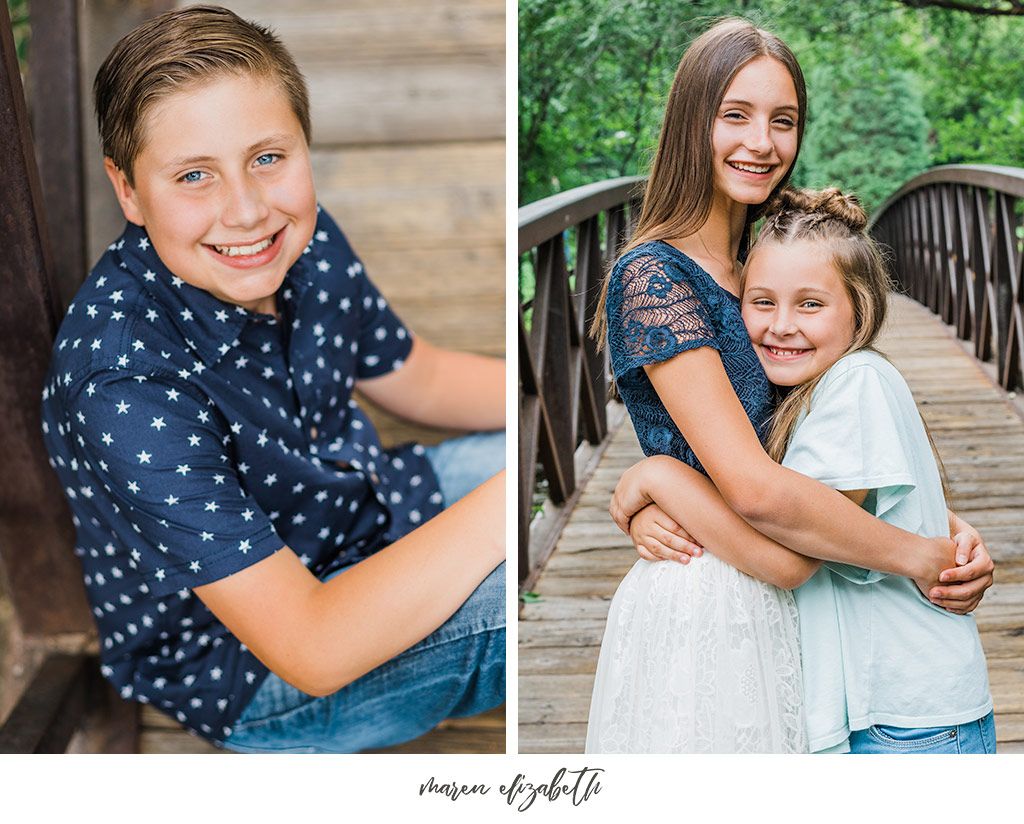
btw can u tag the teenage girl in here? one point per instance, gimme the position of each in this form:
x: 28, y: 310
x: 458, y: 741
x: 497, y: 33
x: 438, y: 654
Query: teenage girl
x: 695, y: 390
x: 884, y: 670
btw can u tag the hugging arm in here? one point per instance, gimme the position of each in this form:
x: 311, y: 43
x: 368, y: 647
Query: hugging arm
x: 689, y: 498
x: 796, y: 511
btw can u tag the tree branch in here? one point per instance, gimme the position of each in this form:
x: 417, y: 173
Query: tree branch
x: 1009, y: 8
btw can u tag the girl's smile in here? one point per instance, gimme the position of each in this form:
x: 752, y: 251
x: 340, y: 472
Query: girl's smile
x: 754, y: 136
x: 797, y: 311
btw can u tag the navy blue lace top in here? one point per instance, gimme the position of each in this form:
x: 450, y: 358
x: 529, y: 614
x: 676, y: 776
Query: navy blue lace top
x: 661, y: 303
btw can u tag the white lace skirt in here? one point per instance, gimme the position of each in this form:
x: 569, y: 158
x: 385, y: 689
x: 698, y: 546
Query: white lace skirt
x: 698, y: 658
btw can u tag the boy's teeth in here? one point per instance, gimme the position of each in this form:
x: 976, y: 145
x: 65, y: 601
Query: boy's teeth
x: 232, y: 251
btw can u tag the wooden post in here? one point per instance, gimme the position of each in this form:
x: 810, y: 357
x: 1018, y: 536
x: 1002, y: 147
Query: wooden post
x: 36, y: 534
x: 54, y: 83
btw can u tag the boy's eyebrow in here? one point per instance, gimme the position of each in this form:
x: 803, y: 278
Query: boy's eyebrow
x: 194, y: 160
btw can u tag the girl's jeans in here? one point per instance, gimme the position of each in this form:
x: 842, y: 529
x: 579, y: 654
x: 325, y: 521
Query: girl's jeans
x: 457, y: 670
x: 975, y: 737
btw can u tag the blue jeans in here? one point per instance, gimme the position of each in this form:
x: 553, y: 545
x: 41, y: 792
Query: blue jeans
x: 457, y: 670
x: 974, y: 737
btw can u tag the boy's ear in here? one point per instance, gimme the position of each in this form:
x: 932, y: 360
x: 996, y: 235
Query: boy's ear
x: 124, y: 191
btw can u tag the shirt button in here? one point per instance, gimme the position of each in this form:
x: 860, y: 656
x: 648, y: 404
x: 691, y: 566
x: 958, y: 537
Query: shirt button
x: 313, y: 433
x: 374, y: 478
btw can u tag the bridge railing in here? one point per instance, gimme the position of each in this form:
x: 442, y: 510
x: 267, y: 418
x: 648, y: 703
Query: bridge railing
x: 566, y: 243
x: 957, y: 233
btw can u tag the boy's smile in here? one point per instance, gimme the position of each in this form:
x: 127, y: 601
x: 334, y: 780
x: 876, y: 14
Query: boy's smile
x: 224, y: 188
x: 797, y: 311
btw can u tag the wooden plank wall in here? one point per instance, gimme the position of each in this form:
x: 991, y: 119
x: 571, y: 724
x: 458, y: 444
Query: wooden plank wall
x: 408, y: 109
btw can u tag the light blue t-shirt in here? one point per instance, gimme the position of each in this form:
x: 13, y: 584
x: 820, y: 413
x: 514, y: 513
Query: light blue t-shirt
x: 875, y: 650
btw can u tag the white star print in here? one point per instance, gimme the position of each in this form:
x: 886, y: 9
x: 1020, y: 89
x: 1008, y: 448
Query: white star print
x: 158, y: 424
x: 144, y: 456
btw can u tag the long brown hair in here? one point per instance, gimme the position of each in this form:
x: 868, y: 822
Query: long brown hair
x: 680, y: 186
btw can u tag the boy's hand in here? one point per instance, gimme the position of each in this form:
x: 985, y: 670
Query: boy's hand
x: 658, y: 538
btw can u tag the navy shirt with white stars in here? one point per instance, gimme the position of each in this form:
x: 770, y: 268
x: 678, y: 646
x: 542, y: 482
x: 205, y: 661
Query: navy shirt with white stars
x: 194, y: 438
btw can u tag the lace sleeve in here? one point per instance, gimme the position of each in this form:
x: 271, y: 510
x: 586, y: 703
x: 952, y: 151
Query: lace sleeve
x: 654, y: 312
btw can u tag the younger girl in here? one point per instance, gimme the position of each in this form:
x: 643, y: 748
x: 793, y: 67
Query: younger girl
x: 884, y: 669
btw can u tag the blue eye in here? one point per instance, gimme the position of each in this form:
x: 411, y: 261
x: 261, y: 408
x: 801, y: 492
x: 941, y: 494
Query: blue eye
x: 266, y: 160
x: 191, y: 177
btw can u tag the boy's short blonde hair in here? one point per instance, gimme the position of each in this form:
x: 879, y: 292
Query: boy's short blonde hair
x: 178, y: 50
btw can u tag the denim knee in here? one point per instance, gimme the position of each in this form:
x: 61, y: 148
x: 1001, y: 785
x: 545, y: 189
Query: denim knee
x: 462, y: 464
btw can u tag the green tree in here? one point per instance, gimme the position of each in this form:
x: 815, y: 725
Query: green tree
x: 867, y: 132
x: 593, y: 76
x: 894, y: 86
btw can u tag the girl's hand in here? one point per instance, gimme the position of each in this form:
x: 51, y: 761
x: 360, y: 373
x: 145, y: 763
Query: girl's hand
x: 658, y: 538
x: 968, y: 580
x: 631, y: 493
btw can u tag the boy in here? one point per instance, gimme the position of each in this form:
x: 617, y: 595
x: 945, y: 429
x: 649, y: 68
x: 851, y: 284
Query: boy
x: 198, y: 412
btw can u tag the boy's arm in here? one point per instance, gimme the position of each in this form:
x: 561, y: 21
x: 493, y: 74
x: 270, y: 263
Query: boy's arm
x: 320, y: 636
x: 443, y: 388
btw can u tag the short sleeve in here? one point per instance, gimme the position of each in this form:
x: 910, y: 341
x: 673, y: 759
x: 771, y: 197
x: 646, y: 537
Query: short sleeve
x: 170, y: 489
x: 850, y: 440
x: 384, y: 341
x: 654, y: 312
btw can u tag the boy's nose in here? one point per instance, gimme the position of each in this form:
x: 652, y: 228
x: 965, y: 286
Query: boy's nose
x: 244, y: 206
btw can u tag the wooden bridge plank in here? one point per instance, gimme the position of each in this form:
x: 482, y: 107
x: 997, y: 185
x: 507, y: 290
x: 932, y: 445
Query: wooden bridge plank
x: 981, y: 439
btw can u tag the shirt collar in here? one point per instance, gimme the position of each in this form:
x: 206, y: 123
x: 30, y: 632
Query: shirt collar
x: 209, y: 325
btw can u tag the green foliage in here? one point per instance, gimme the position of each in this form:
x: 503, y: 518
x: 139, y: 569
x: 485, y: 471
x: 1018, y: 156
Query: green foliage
x: 19, y: 23
x: 592, y: 80
x: 870, y: 137
x: 892, y: 89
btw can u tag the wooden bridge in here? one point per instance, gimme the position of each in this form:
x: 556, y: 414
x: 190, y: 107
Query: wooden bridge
x: 955, y: 235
